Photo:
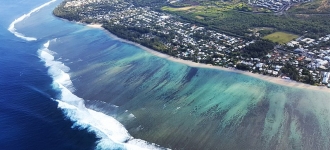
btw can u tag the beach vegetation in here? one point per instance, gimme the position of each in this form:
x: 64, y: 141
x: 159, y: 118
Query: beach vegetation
x: 242, y: 66
x: 290, y: 70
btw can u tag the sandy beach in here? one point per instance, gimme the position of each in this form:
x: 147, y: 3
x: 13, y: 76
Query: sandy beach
x: 275, y: 80
x: 99, y: 26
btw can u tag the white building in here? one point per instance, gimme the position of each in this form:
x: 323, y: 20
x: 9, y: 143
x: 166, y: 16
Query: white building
x: 326, y: 76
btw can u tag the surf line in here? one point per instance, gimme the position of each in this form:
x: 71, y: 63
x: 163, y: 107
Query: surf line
x: 12, y: 28
x: 112, y: 134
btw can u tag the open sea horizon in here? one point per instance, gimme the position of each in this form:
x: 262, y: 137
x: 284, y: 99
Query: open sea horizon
x: 68, y: 86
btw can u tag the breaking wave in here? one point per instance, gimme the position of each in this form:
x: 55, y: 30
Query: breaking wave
x: 12, y: 28
x: 112, y: 134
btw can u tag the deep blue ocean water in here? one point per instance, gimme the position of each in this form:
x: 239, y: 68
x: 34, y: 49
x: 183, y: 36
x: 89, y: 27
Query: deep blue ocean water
x: 29, y: 118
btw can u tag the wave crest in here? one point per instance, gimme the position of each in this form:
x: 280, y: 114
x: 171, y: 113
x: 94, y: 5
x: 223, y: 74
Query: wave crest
x: 12, y: 28
x: 112, y: 134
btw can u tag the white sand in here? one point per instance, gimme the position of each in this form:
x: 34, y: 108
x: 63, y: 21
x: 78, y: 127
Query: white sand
x: 99, y: 26
x: 276, y: 80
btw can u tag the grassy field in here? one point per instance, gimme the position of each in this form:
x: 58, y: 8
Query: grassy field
x: 166, y: 8
x: 202, y: 12
x: 200, y: 17
x: 211, y: 10
x: 280, y: 37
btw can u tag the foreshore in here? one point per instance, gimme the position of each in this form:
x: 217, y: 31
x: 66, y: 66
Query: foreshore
x: 99, y: 26
x: 275, y: 80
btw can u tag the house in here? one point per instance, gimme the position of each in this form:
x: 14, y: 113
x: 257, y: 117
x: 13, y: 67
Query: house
x: 269, y: 71
x: 299, y: 50
x: 278, y: 68
x: 259, y: 65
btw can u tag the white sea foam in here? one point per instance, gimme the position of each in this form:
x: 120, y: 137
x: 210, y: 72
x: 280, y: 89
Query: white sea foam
x: 12, y: 28
x: 112, y: 134
x: 131, y: 115
x: 46, y: 45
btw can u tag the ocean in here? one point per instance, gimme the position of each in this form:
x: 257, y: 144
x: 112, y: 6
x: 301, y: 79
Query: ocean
x: 38, y: 107
x: 69, y: 86
x: 29, y: 118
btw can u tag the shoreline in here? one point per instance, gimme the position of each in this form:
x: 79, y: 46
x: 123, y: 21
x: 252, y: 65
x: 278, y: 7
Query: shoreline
x: 95, y: 25
x: 270, y: 79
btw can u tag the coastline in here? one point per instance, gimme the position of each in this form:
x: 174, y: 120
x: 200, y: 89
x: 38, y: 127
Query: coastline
x: 275, y: 80
x: 95, y: 25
